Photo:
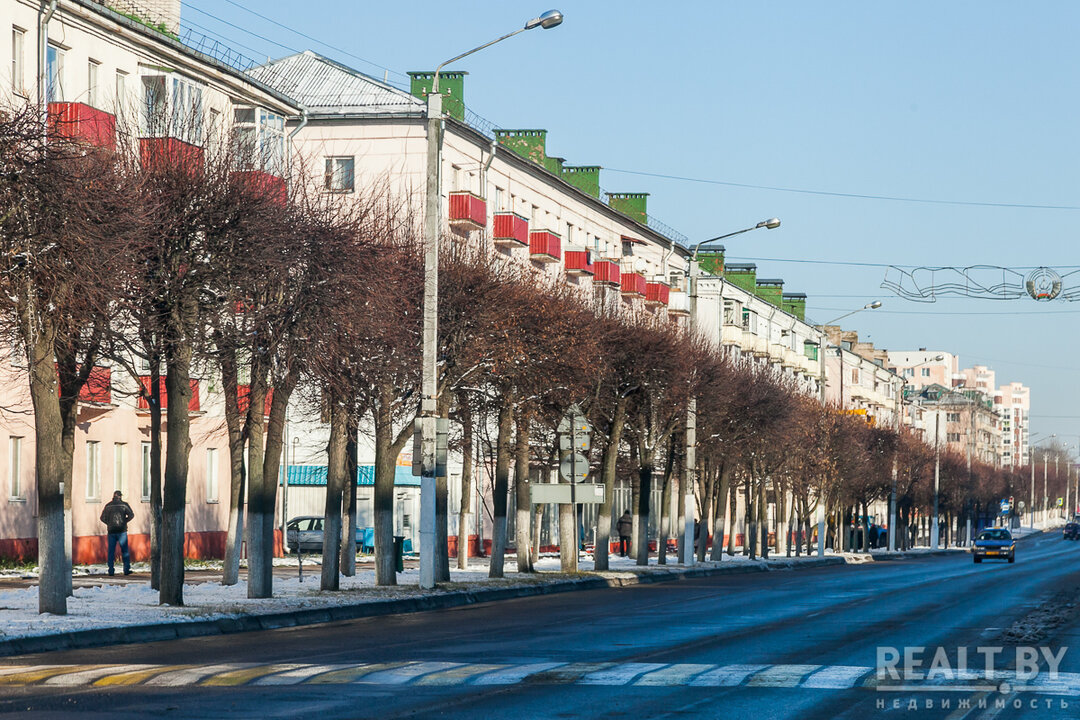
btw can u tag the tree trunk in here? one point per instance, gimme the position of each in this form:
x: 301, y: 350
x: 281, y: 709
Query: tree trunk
x: 155, y: 472
x: 442, y: 525
x: 645, y: 479
x: 538, y: 526
x: 501, y: 489
x: 385, y: 460
x: 666, y: 497
x: 51, y: 481
x: 348, y: 526
x: 260, y: 518
x: 733, y: 513
x: 466, y: 483
x: 523, y: 524
x: 337, y: 463
x: 275, y: 445
x: 602, y: 548
x: 720, y: 522
x: 230, y: 574
x: 763, y: 519
x: 177, y: 452
x: 709, y: 478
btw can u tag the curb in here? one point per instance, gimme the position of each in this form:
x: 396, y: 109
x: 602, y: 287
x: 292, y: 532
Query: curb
x: 272, y: 621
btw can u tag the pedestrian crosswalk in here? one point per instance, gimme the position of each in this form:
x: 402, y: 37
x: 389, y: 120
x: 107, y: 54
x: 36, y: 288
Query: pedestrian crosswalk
x: 439, y: 673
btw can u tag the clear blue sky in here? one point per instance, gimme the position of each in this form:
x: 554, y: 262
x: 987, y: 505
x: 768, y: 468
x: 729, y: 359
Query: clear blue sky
x: 968, y: 101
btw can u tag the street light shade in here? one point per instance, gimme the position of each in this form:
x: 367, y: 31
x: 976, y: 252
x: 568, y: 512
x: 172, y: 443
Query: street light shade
x: 770, y: 224
x: 547, y: 20
x: 873, y: 305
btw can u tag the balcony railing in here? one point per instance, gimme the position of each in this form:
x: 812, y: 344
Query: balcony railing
x: 545, y: 246
x: 633, y: 284
x: 162, y: 153
x: 579, y: 262
x: 678, y: 303
x: 264, y: 182
x: 467, y: 209
x: 657, y: 293
x: 606, y: 272
x: 82, y: 122
x: 510, y: 229
x: 144, y: 382
x: 243, y: 399
x: 731, y: 335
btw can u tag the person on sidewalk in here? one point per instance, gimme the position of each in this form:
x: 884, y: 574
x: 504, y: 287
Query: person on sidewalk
x: 625, y: 526
x: 116, y: 516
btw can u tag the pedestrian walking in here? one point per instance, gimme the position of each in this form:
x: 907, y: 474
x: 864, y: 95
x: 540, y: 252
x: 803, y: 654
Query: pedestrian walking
x: 116, y: 516
x: 625, y: 527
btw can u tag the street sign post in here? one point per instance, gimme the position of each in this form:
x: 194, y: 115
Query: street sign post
x: 574, y: 434
x: 560, y: 493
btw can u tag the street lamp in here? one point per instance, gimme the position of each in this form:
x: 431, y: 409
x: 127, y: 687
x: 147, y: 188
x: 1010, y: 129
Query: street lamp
x: 686, y: 550
x: 429, y: 373
x: 872, y: 305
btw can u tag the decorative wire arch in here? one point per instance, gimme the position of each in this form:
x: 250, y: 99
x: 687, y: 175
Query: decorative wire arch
x: 983, y: 282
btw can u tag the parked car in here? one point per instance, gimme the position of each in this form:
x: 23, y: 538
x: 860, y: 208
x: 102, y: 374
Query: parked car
x: 1071, y: 531
x: 994, y: 543
x: 307, y: 533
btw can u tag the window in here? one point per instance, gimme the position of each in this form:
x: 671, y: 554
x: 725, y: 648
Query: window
x: 926, y: 372
x: 15, y: 467
x: 54, y: 77
x: 92, y: 95
x: 855, y: 376
x: 18, y: 74
x: 497, y: 203
x: 93, y: 470
x: 211, y: 475
x: 259, y: 139
x: 144, y: 486
x: 909, y: 372
x: 339, y: 174
x: 172, y: 107
x: 952, y: 417
x: 952, y: 437
x: 119, y: 471
x: 272, y: 142
x: 569, y: 234
x: 120, y: 97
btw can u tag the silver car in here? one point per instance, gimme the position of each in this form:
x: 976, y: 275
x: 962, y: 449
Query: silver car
x: 307, y: 533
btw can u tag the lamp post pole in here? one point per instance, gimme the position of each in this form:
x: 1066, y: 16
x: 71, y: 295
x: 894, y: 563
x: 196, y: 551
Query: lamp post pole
x: 686, y: 547
x: 822, y: 348
x: 426, y: 422
x: 937, y: 479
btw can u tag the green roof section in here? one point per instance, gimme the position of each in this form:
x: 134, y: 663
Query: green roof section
x: 633, y: 205
x: 451, y: 87
x: 795, y: 304
x: 770, y: 290
x: 743, y: 275
x: 584, y: 177
x: 529, y: 144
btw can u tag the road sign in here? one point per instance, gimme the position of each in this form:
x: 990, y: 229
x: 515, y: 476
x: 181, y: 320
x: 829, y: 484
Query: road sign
x: 565, y: 493
x: 574, y: 467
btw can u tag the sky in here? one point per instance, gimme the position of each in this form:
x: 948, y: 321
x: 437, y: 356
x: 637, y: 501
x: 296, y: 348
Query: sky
x: 968, y: 105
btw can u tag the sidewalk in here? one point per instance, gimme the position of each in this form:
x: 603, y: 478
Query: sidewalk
x: 105, y: 612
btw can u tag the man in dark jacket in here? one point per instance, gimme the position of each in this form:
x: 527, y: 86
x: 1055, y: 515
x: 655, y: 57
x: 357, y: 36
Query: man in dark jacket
x: 116, y: 516
x: 625, y: 527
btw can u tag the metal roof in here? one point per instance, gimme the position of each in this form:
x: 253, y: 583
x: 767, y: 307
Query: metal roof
x: 365, y: 475
x: 323, y: 85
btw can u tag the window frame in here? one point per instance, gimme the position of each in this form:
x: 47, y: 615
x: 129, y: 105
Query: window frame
x: 93, y: 83
x: 18, y: 61
x: 93, y: 471
x: 119, y: 466
x: 54, y: 73
x: 332, y: 167
x: 15, y: 488
x: 178, y: 112
x: 212, y: 475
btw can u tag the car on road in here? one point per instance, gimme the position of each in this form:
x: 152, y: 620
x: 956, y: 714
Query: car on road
x: 306, y: 534
x: 995, y: 543
x: 1071, y: 531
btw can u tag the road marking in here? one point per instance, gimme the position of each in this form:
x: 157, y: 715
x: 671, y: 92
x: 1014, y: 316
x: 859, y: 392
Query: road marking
x: 350, y: 674
x: 138, y: 676
x: 411, y: 671
x: 86, y: 677
x: 241, y: 677
x: 622, y: 674
x: 41, y: 673
x: 514, y: 675
x: 679, y: 674
x: 192, y: 675
x: 781, y: 676
x: 725, y: 676
x: 299, y: 675
x: 836, y: 677
x: 459, y: 675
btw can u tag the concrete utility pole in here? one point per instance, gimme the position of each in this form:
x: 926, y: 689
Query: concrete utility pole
x: 937, y: 479
x: 426, y: 423
x: 686, y: 547
x: 892, y: 490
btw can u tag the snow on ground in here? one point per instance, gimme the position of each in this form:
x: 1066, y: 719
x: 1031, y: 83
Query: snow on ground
x: 134, y: 603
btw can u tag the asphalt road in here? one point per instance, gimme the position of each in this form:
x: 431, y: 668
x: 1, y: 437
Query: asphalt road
x: 786, y: 644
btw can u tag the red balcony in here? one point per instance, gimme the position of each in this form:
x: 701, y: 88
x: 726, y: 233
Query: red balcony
x: 264, y: 182
x: 510, y: 229
x: 82, y: 122
x: 606, y: 272
x: 144, y: 382
x: 161, y: 153
x: 98, y: 387
x: 545, y: 246
x: 657, y: 293
x: 633, y: 284
x: 468, y: 210
x: 579, y: 262
x: 243, y: 400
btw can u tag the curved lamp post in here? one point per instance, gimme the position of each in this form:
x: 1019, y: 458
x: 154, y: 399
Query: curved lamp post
x: 686, y: 548
x: 426, y: 423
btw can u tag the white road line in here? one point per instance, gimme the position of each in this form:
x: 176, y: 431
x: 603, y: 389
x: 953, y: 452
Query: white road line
x: 402, y: 675
x: 725, y: 676
x: 781, y: 676
x: 299, y: 675
x: 836, y: 677
x: 620, y: 674
x: 88, y: 676
x: 678, y: 674
x: 514, y: 675
x: 190, y: 676
x: 15, y: 669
